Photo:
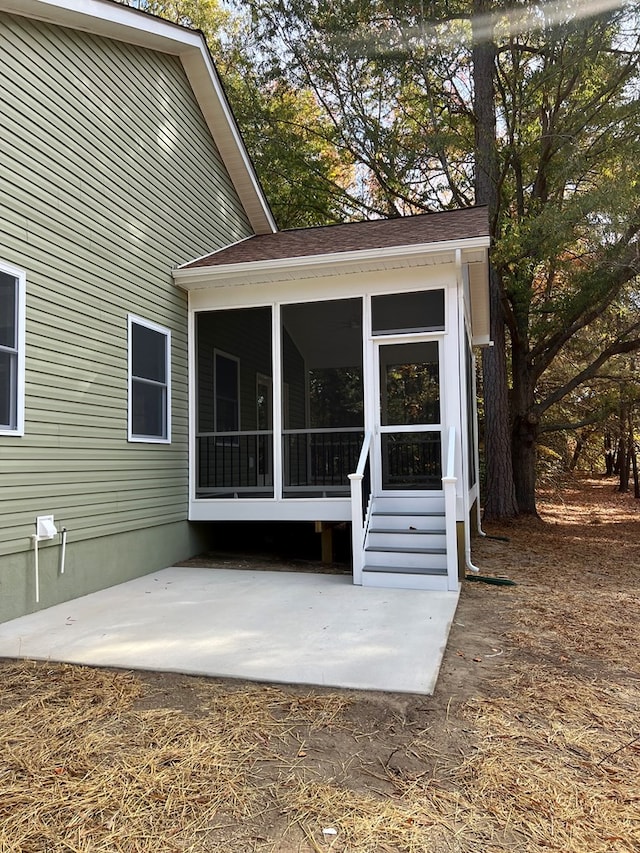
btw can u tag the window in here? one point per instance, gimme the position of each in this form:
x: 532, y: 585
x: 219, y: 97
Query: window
x: 407, y: 313
x: 149, y: 381
x: 227, y: 396
x: 12, y: 321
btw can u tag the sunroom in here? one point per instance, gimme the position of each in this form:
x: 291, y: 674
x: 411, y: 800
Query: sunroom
x: 332, y: 379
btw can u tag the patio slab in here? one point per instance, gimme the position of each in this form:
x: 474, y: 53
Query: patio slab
x: 286, y: 627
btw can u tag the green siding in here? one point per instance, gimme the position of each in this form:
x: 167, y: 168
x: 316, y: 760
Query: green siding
x: 109, y: 178
x: 86, y: 568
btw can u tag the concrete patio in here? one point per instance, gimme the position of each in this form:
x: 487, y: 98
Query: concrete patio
x: 286, y: 627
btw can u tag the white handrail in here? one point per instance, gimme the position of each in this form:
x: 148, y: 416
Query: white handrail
x: 357, y: 507
x: 449, y: 488
x: 451, y: 453
x: 364, y: 453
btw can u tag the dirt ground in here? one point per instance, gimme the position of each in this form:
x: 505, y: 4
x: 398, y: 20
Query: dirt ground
x: 530, y: 743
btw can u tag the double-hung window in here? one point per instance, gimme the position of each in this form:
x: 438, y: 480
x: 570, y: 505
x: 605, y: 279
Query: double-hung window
x: 149, y: 381
x: 12, y: 320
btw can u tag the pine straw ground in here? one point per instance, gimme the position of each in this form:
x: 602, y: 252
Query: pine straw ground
x: 531, y: 742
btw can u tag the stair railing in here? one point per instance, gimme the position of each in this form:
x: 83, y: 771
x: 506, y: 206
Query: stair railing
x: 360, y: 506
x: 449, y: 486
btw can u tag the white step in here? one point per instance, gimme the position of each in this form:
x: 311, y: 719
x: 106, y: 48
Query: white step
x: 402, y: 521
x: 416, y: 539
x: 394, y: 580
x: 409, y: 559
x: 399, y: 570
x: 408, y: 505
x: 406, y: 543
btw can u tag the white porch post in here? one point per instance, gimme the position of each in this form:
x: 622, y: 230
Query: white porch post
x: 357, y: 528
x: 276, y: 360
x: 449, y: 486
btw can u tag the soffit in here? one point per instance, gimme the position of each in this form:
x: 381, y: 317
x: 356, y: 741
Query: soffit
x: 330, y: 265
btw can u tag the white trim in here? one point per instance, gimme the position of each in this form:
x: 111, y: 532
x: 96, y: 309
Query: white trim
x: 260, y: 509
x: 278, y: 400
x: 148, y: 439
x: 108, y: 19
x: 379, y: 430
x: 330, y: 263
x: 192, y: 384
x: 322, y: 288
x: 21, y: 312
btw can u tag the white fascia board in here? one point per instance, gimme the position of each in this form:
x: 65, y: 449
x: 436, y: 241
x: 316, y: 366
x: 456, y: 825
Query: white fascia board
x: 123, y: 23
x: 203, y: 78
x: 336, y: 263
x: 109, y: 19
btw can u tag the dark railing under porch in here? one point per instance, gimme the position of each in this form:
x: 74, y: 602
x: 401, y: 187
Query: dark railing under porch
x: 234, y: 464
x: 316, y: 463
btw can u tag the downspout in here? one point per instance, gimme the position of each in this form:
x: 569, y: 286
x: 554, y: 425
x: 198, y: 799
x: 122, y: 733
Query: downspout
x: 63, y: 549
x: 462, y: 338
x: 35, y: 539
x: 476, y: 449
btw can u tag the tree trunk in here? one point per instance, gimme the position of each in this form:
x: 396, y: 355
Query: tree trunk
x: 525, y: 432
x: 525, y: 442
x: 619, y: 458
x: 625, y: 470
x: 634, y: 468
x: 623, y: 461
x: 577, y: 450
x: 500, y: 498
x: 609, y: 456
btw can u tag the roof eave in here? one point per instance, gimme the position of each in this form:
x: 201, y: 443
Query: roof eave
x: 334, y: 263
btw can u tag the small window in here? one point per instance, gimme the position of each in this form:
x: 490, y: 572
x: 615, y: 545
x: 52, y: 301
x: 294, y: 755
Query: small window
x: 408, y: 313
x: 12, y: 321
x: 149, y: 381
x: 227, y: 393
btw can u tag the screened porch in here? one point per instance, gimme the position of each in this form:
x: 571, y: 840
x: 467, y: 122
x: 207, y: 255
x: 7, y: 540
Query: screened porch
x: 282, y: 393
x: 317, y: 410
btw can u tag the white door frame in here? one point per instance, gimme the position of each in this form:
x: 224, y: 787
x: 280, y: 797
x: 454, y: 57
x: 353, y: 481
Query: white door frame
x: 375, y: 408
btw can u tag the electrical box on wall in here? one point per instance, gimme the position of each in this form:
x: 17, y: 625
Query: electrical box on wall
x: 45, y: 527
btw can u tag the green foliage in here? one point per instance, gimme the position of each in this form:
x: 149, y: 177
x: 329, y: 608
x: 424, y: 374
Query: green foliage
x: 305, y: 176
x: 365, y: 108
x: 336, y: 397
x: 208, y: 16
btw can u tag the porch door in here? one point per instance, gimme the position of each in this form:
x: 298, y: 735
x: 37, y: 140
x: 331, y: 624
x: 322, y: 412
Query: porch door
x: 409, y: 432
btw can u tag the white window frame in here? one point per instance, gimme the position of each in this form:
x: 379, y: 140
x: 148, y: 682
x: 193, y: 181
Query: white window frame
x: 19, y: 350
x: 132, y: 320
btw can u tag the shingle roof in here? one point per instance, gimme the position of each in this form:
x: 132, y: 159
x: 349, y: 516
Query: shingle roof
x: 353, y: 236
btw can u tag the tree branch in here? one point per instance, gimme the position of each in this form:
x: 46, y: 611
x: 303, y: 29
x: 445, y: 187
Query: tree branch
x: 616, y: 348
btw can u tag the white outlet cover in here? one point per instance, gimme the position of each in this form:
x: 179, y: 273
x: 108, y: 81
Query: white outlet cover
x: 45, y: 528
